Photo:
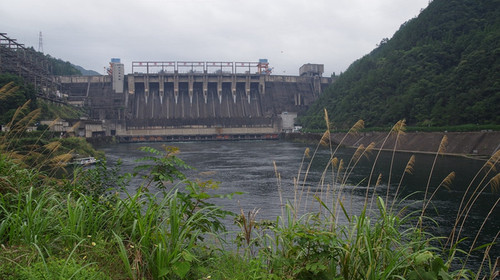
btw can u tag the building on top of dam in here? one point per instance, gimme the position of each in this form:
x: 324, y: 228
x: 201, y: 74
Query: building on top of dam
x: 312, y: 70
x: 181, y: 100
x: 117, y: 71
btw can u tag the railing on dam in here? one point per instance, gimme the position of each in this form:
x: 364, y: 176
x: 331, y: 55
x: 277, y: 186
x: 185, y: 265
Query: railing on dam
x: 201, y: 67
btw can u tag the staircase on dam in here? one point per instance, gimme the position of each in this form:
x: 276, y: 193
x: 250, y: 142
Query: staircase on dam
x: 182, y: 106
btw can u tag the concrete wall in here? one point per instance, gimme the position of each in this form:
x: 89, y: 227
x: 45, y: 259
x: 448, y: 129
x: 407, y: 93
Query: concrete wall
x: 198, y: 131
x: 288, y: 121
x: 59, y: 125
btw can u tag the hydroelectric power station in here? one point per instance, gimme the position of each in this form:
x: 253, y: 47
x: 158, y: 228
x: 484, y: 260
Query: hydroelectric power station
x: 181, y: 100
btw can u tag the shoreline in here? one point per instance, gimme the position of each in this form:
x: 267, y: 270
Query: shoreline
x: 475, y: 145
x: 479, y: 145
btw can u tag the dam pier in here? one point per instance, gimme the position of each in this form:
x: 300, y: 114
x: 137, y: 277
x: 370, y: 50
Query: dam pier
x: 175, y: 101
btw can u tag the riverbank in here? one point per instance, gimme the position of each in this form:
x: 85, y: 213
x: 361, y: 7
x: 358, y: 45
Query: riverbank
x: 478, y: 143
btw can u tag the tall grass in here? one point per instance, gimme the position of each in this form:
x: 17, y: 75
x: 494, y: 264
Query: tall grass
x: 91, y: 225
x: 390, y: 243
x: 155, y: 236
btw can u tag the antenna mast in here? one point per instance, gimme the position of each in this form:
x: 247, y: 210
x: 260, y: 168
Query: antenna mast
x: 40, y: 42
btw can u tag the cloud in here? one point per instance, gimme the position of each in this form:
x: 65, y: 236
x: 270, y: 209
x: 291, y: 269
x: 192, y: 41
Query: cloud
x: 288, y: 33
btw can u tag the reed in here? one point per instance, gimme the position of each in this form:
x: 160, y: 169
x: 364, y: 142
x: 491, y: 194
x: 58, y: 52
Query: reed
x: 397, y: 128
x: 463, y: 210
x: 74, y: 226
x: 32, y: 150
x: 388, y: 247
x: 408, y: 170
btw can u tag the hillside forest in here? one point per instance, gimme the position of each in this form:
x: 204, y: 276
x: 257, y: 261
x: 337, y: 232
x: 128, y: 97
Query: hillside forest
x: 441, y: 68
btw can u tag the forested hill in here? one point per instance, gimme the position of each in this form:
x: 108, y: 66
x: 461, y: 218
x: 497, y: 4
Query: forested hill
x: 441, y: 68
x: 59, y: 67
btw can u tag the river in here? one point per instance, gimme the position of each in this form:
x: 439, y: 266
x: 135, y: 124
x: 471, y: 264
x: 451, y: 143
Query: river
x: 247, y: 166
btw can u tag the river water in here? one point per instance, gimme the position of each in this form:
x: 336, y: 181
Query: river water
x: 248, y: 166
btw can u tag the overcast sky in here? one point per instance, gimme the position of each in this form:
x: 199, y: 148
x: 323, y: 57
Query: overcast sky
x: 289, y: 33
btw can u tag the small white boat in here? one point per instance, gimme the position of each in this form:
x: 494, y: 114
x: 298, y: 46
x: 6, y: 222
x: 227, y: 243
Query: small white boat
x: 84, y: 161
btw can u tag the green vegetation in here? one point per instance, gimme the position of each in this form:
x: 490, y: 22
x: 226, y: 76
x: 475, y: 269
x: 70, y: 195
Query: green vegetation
x: 58, y: 67
x: 41, y: 149
x: 52, y: 111
x: 86, y: 72
x: 439, y: 69
x: 13, y: 94
x: 93, y: 226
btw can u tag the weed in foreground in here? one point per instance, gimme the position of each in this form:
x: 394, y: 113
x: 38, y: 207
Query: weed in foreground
x: 387, y: 243
x: 53, y: 228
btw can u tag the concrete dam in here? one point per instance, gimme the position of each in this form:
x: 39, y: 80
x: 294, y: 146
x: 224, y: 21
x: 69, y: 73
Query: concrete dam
x: 172, y: 101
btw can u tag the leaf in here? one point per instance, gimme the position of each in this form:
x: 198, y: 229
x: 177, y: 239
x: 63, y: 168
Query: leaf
x: 188, y: 256
x: 423, y: 257
x: 444, y: 275
x: 123, y: 255
x: 421, y: 274
x: 181, y: 269
x: 163, y: 271
x: 202, y: 196
x: 437, y: 264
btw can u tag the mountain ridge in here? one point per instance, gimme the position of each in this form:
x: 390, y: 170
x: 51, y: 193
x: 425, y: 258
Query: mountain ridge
x: 440, y: 68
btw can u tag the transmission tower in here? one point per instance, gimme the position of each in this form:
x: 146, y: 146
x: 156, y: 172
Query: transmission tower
x: 40, y: 42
